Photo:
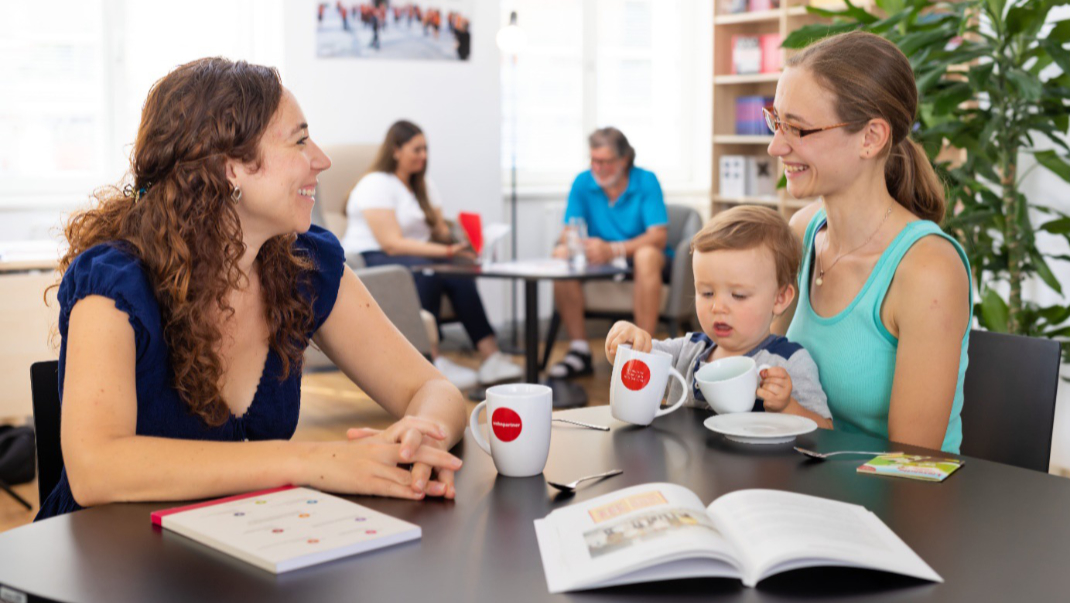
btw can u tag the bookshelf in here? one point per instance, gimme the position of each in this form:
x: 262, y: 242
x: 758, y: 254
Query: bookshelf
x: 729, y: 86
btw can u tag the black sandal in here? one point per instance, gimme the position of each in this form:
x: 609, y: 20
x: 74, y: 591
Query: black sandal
x: 574, y: 364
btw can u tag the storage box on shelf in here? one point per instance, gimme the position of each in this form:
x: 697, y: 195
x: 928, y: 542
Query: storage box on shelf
x: 747, y: 59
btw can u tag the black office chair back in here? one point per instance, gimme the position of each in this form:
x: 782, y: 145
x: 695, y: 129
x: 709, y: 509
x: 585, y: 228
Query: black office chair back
x: 1009, y: 392
x: 44, y: 388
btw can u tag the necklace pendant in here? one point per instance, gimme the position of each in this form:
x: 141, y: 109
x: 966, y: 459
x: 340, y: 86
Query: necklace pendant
x: 820, y: 281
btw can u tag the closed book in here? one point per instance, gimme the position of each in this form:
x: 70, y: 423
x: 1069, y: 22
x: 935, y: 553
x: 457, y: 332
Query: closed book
x: 286, y: 528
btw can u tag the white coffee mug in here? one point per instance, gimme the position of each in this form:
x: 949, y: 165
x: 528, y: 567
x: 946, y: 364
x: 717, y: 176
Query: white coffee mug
x: 638, y: 384
x: 729, y: 384
x: 518, y: 417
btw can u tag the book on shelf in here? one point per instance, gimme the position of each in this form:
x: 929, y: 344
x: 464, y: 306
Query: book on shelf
x: 753, y: 54
x: 912, y: 466
x: 731, y: 7
x: 286, y: 528
x: 747, y: 176
x: 663, y: 532
x: 750, y: 121
x: 761, y: 176
x: 746, y: 55
x: 772, y: 54
x: 733, y: 176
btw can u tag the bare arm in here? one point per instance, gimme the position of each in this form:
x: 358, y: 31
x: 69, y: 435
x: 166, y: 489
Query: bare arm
x: 396, y: 376
x: 384, y: 225
x: 799, y: 221
x: 928, y: 304
x: 107, y: 462
x: 369, y: 349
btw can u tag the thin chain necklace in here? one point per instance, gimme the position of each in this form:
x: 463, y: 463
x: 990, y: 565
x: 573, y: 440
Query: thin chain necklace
x: 820, y: 280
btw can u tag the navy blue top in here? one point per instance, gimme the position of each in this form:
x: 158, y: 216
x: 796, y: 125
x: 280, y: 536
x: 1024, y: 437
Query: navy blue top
x: 109, y: 270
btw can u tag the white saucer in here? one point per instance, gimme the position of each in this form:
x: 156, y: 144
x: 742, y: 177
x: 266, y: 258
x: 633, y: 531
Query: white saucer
x: 760, y: 427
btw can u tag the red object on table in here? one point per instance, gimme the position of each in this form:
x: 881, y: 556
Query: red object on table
x: 473, y: 227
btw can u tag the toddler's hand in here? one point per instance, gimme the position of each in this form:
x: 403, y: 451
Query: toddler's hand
x: 625, y: 332
x: 775, y: 388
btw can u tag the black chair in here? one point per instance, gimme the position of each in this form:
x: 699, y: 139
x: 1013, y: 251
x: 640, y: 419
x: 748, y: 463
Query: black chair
x: 1009, y: 399
x: 44, y: 388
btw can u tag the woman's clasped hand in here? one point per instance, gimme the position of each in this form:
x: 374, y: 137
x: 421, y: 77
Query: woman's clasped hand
x: 414, y: 441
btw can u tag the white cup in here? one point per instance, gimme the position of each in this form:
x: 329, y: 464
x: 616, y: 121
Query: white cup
x: 638, y: 384
x: 729, y: 384
x: 518, y: 417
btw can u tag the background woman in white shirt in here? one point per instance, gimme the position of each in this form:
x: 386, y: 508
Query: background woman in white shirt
x: 395, y: 217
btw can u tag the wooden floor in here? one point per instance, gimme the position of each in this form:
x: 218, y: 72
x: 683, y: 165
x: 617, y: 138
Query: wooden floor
x: 330, y: 404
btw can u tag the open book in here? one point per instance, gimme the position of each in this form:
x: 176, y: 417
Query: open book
x: 662, y: 532
x: 286, y: 528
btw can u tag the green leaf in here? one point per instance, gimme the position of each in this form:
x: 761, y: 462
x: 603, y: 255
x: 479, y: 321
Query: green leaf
x: 914, y: 42
x: 891, y: 7
x: 1061, y: 32
x: 994, y: 311
x: 1044, y: 272
x: 952, y: 97
x: 808, y: 34
x: 995, y: 11
x: 1059, y: 226
x: 1053, y: 162
x: 1026, y: 83
x: 1057, y: 53
x: 1054, y: 314
x: 1025, y: 18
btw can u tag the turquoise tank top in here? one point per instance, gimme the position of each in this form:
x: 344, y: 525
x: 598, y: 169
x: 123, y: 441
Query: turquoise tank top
x: 854, y: 352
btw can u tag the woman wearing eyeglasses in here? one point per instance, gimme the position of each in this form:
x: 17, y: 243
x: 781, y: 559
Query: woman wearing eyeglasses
x: 885, y: 297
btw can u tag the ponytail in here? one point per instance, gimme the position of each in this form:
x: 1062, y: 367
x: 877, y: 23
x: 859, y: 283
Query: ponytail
x: 913, y: 182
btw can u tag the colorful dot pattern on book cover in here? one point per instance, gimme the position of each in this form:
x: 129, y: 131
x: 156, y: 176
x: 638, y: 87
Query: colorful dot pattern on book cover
x: 912, y: 466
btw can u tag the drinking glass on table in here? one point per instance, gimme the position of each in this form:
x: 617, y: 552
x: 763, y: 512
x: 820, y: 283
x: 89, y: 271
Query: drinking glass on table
x: 576, y: 241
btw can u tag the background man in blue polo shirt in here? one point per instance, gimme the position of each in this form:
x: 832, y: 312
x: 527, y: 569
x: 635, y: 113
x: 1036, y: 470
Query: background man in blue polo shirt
x: 626, y: 216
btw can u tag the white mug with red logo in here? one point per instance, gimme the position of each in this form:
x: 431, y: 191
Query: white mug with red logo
x: 518, y: 417
x: 638, y: 385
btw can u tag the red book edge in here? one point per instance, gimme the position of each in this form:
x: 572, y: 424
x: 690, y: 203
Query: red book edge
x: 157, y: 516
x: 472, y: 224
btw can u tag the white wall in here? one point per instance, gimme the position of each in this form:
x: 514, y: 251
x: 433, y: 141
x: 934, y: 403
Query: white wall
x: 456, y: 103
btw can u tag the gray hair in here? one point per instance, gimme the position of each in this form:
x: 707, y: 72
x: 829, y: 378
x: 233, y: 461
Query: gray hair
x: 614, y: 139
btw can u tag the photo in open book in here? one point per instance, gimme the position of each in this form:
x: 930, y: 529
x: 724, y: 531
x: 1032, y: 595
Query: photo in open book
x: 647, y: 527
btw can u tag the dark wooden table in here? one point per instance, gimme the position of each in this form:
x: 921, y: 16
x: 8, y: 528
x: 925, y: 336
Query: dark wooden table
x: 994, y: 532
x: 531, y: 280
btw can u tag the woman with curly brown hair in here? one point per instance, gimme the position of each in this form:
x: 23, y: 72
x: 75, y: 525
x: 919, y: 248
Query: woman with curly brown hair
x: 188, y: 299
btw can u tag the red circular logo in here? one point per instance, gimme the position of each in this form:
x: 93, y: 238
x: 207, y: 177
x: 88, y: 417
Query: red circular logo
x: 506, y: 424
x: 635, y: 374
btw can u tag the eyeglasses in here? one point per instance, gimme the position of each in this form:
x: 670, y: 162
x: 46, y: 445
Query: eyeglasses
x: 604, y: 162
x: 774, y: 122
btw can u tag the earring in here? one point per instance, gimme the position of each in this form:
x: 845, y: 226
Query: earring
x: 235, y: 195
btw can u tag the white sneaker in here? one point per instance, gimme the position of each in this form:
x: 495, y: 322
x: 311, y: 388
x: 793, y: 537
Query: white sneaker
x: 461, y: 376
x: 498, y: 368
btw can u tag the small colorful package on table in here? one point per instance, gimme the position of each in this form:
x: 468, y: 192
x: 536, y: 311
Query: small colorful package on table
x: 913, y: 466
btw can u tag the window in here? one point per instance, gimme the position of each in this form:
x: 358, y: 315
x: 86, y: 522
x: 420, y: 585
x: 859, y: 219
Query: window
x: 634, y: 64
x: 53, y: 117
x: 74, y: 75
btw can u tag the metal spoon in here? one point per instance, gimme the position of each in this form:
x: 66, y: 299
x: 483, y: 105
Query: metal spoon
x: 824, y: 455
x: 582, y: 424
x: 571, y: 486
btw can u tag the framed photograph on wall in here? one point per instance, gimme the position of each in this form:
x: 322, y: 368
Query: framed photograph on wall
x: 435, y: 30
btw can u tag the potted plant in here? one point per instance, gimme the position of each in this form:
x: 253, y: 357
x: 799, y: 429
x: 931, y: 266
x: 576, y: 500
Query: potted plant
x: 993, y: 78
